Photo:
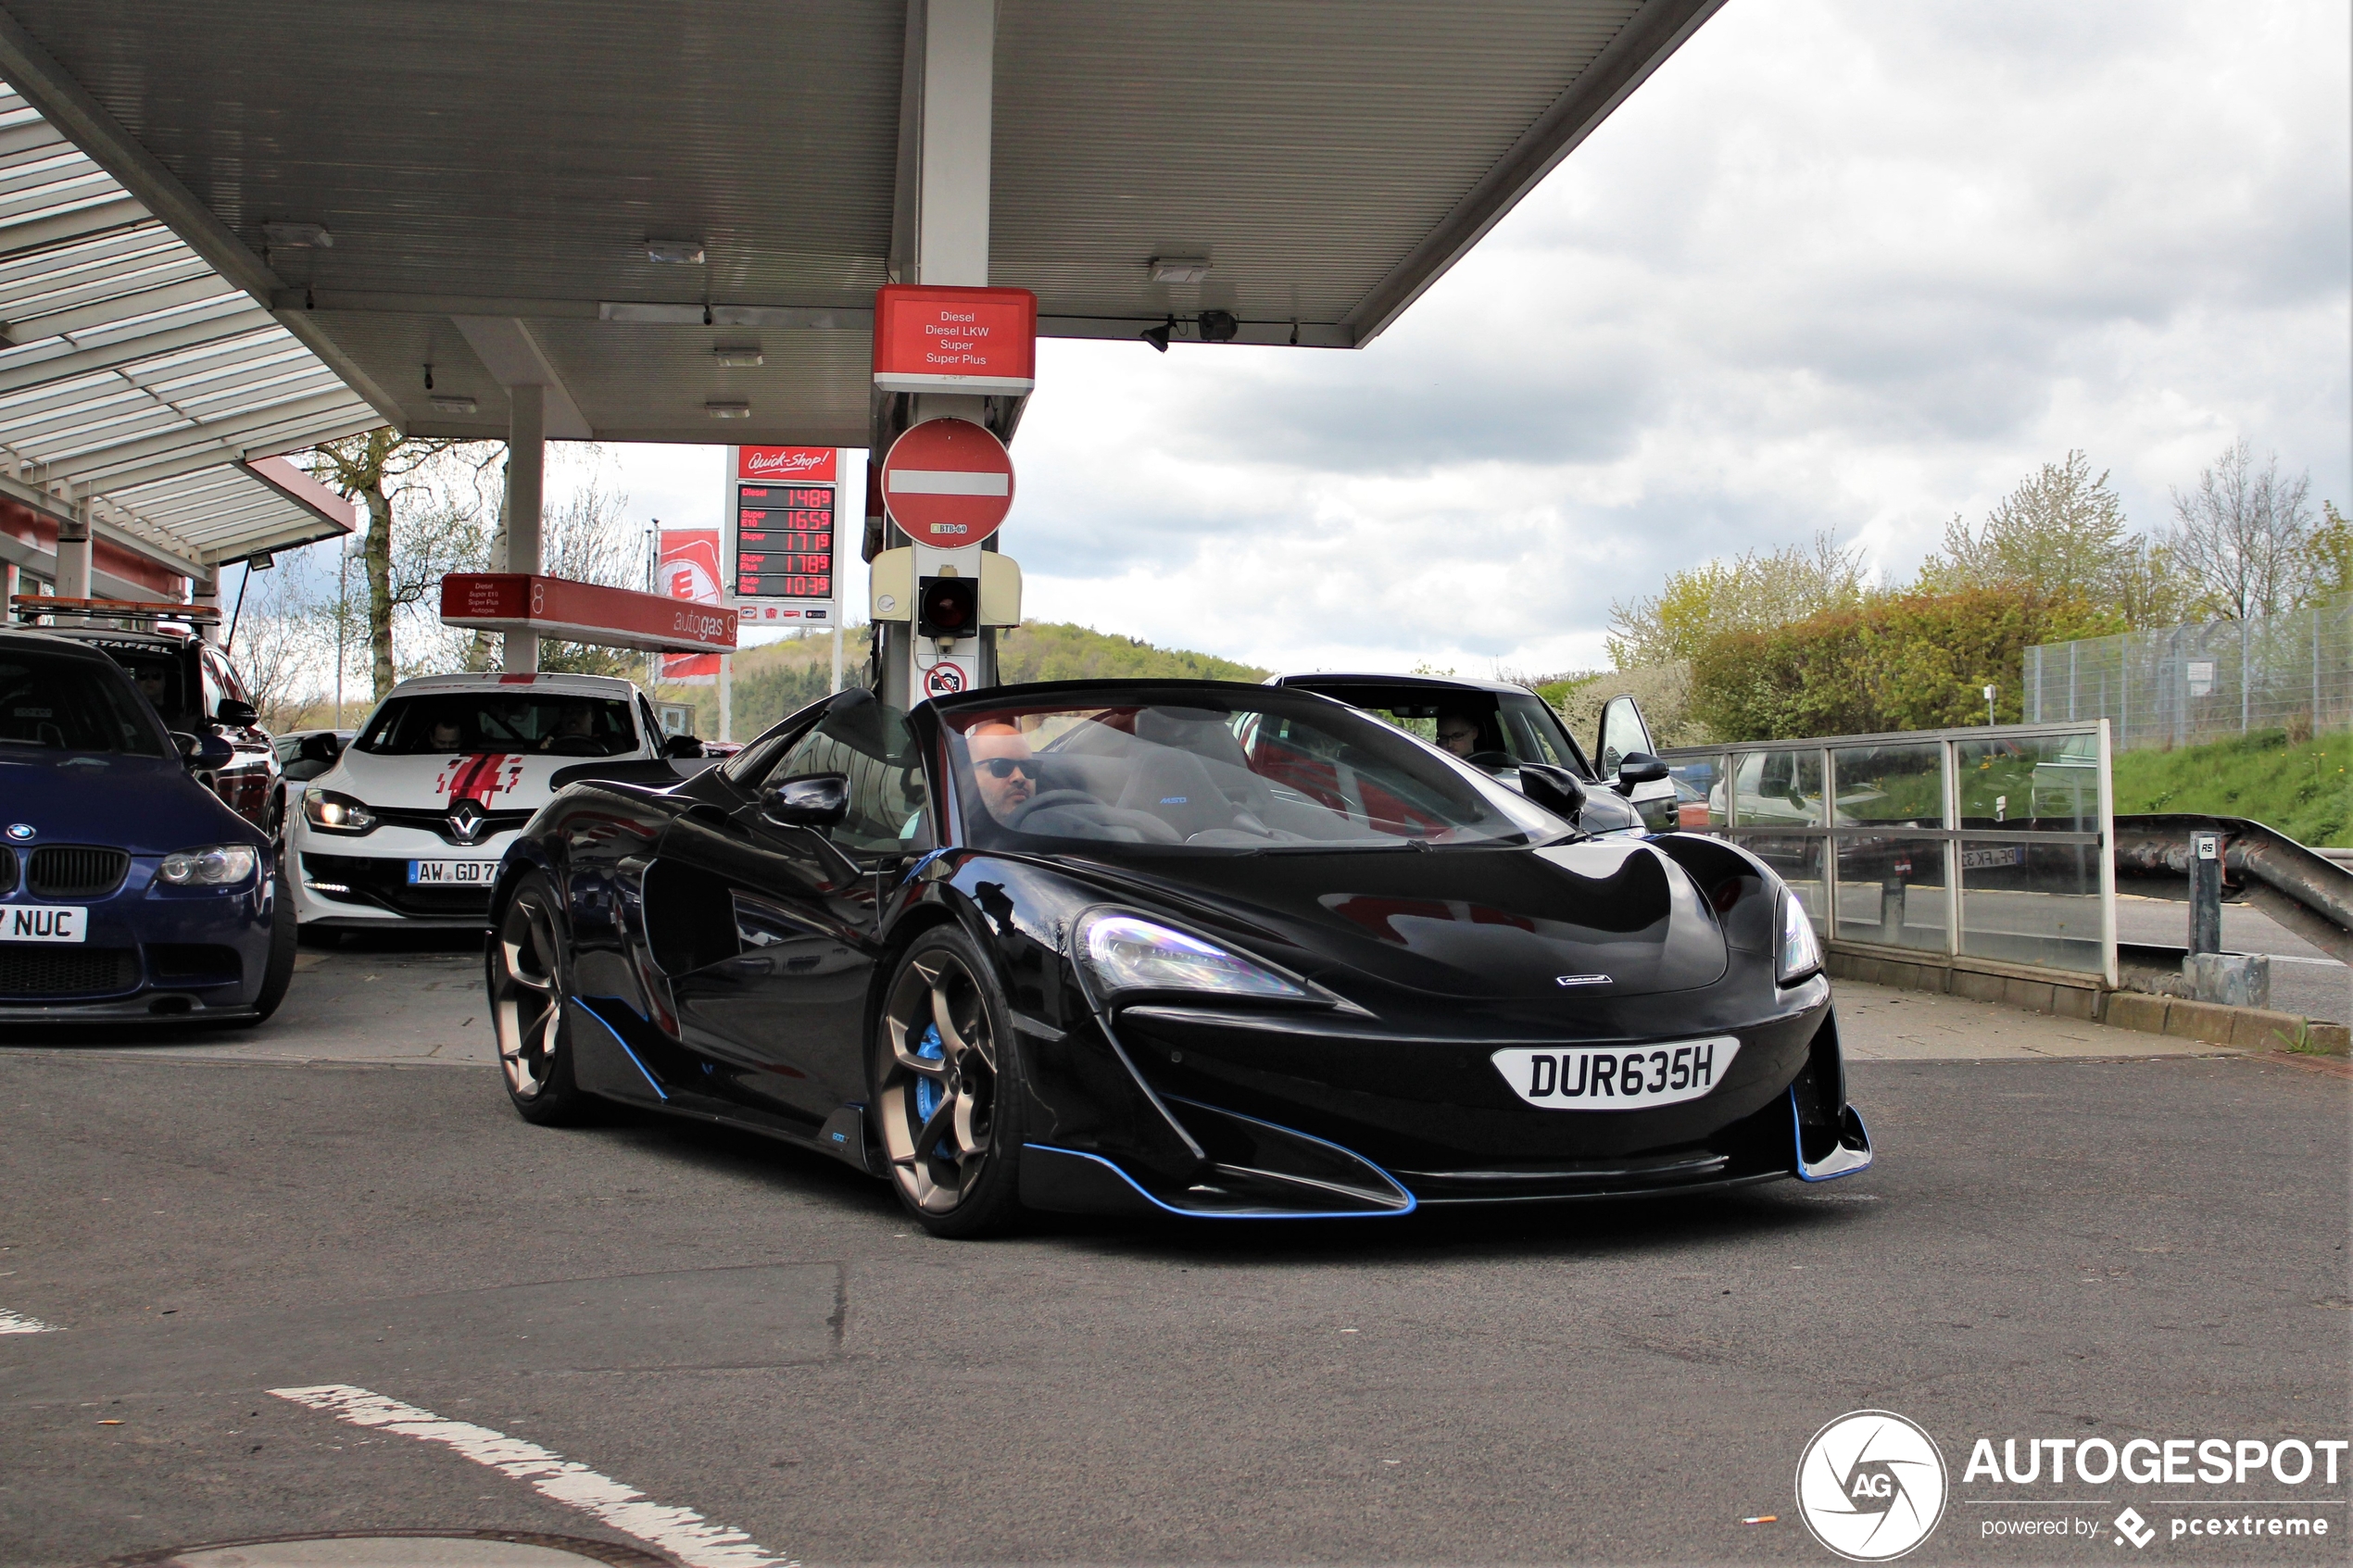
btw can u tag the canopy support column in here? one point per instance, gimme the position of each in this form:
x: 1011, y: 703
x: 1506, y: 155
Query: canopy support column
x: 948, y: 102
x: 73, y: 554
x: 526, y: 468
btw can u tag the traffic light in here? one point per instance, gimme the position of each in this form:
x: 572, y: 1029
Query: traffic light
x: 948, y: 606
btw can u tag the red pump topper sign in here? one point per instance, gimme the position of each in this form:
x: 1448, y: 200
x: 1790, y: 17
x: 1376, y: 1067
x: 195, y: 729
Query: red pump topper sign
x: 971, y: 340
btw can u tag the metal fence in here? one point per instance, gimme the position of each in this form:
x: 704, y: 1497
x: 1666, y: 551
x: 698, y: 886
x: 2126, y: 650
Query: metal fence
x: 1990, y: 843
x: 2180, y: 685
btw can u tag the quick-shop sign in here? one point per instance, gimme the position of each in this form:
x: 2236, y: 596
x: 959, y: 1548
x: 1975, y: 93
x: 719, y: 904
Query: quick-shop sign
x: 784, y: 512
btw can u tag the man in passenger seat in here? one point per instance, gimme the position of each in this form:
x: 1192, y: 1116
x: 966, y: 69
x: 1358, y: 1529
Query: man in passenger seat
x: 1002, y: 768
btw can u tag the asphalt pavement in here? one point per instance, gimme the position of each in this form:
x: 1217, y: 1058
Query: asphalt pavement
x: 654, y: 1338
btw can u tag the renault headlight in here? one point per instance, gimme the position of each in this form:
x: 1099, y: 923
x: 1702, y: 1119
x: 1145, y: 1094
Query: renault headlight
x: 1122, y: 952
x: 216, y: 865
x: 1799, y: 954
x: 330, y: 812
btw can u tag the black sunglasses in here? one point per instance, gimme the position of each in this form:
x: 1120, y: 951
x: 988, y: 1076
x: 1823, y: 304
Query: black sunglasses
x: 1006, y: 767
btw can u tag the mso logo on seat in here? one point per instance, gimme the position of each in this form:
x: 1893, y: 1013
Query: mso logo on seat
x: 1870, y: 1485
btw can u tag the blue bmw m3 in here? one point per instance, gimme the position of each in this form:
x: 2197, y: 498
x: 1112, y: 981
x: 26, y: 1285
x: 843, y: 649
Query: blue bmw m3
x: 127, y: 889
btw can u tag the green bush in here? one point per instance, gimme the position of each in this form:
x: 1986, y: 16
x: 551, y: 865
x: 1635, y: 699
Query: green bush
x: 1901, y: 662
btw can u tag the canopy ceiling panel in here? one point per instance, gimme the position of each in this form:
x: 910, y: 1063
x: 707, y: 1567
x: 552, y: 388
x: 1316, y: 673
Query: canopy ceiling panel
x: 512, y: 161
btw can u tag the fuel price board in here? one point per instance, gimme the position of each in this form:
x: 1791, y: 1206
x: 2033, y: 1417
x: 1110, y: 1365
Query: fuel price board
x: 783, y: 541
x: 781, y: 545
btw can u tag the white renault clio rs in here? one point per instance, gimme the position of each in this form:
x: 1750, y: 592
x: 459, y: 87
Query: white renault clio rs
x: 408, y: 824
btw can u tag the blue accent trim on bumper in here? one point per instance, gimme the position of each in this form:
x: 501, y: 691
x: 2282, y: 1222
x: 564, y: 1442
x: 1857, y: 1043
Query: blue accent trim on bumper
x: 1411, y: 1204
x: 1395, y: 1185
x: 652, y: 1082
x: 1842, y: 1160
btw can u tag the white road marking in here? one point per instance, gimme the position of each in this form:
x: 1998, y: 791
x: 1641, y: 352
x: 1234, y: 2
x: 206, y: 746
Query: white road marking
x: 16, y: 1322
x: 949, y: 481
x: 683, y: 1533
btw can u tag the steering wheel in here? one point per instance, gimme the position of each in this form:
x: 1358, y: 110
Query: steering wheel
x: 1050, y: 798
x: 1491, y: 760
x: 576, y: 745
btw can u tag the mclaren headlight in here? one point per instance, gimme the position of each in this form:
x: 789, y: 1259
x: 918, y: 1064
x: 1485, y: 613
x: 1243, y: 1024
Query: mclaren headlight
x: 215, y: 865
x: 1122, y: 952
x: 330, y: 813
x: 1796, y: 953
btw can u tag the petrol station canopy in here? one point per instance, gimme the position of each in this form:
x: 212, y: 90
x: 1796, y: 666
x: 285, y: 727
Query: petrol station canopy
x: 630, y: 202
x: 140, y: 387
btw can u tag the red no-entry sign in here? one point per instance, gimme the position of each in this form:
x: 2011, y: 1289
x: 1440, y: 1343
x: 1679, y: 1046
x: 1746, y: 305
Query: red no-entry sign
x: 948, y: 483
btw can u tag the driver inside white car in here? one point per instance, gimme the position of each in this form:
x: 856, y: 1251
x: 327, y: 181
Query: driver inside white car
x: 578, y: 722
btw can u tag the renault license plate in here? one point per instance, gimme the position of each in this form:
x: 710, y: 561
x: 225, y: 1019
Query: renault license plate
x: 451, y: 873
x: 43, y: 922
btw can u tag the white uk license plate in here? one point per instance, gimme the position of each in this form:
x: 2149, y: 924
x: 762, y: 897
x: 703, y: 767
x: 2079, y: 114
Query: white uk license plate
x: 43, y: 922
x: 1617, y: 1078
x: 451, y: 873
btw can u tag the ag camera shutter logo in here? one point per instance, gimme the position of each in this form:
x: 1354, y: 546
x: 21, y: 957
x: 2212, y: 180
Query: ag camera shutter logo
x: 1871, y: 1486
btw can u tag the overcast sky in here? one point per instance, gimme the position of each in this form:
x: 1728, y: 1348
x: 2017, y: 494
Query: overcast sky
x: 1838, y: 265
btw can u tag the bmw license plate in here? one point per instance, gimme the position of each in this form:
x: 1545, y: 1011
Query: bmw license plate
x: 43, y: 922
x: 451, y: 873
x: 1617, y: 1078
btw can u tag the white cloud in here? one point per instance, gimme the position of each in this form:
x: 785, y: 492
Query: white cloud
x: 1835, y: 266
x: 1844, y: 265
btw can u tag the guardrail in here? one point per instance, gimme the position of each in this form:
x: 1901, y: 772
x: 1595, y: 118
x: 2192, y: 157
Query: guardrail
x: 1988, y: 848
x: 2308, y: 892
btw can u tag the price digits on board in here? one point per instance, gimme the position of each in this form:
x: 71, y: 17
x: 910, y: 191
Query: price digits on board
x: 784, y: 541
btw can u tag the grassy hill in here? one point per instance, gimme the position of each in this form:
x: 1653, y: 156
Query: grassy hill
x: 2304, y: 790
x: 775, y: 680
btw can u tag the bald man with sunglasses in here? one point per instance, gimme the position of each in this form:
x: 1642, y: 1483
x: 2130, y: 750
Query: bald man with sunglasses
x: 1006, y: 773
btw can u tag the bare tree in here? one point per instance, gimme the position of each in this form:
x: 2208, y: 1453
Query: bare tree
x: 425, y: 519
x: 2240, y: 539
x: 587, y: 539
x: 276, y: 650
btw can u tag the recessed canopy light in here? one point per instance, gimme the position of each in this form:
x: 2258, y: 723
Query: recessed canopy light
x: 728, y: 411
x: 739, y: 356
x: 452, y: 402
x: 673, y: 250
x: 298, y: 236
x: 1180, y: 268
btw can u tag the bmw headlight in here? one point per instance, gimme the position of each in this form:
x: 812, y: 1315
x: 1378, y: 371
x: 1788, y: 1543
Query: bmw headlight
x: 216, y: 865
x: 330, y: 812
x: 1124, y: 952
x: 1798, y: 953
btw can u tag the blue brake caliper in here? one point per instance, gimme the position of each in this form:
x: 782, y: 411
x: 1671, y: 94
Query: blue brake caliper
x: 927, y: 1092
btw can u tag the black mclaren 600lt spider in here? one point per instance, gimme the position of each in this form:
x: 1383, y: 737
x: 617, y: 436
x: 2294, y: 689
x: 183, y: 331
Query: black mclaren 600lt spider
x: 1208, y: 949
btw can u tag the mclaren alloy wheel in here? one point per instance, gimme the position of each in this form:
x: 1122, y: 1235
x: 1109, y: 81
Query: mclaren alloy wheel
x: 945, y: 1093
x: 526, y: 1007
